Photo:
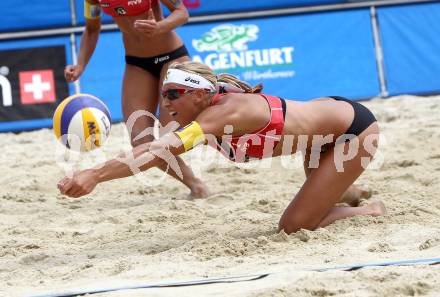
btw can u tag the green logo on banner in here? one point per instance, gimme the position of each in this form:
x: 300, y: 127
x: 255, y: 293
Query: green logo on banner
x: 226, y: 38
x: 225, y: 49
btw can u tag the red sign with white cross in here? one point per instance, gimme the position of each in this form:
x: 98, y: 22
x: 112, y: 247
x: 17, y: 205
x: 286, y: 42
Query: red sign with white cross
x: 37, y: 86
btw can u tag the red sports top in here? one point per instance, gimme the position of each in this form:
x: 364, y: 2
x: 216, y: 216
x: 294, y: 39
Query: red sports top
x: 118, y: 8
x: 258, y: 144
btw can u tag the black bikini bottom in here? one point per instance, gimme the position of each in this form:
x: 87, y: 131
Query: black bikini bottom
x: 155, y: 64
x: 363, y: 117
x: 284, y: 107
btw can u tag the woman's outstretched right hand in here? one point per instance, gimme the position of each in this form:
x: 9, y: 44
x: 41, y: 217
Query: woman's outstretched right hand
x: 80, y: 184
x: 72, y: 72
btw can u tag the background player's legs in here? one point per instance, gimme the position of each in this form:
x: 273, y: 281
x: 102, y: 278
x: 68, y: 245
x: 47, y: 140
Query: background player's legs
x: 140, y: 92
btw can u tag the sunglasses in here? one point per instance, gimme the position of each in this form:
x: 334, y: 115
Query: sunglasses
x: 173, y: 94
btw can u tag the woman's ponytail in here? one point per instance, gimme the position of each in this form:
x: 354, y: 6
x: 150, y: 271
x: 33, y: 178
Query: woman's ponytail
x: 237, y: 83
x: 224, y: 82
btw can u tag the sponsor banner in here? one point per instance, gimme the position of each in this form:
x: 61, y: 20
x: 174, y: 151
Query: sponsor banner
x: 411, y: 48
x: 104, y: 73
x: 27, y: 80
x: 21, y: 15
x: 318, y: 55
x: 31, y: 84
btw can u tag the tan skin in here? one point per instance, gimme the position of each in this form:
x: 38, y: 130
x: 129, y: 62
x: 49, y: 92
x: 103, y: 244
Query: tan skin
x: 314, y: 205
x: 140, y: 89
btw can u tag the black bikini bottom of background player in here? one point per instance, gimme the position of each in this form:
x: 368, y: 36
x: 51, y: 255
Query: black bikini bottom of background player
x: 155, y: 64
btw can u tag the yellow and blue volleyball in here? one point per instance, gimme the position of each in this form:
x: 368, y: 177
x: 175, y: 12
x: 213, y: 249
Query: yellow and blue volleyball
x: 82, y: 122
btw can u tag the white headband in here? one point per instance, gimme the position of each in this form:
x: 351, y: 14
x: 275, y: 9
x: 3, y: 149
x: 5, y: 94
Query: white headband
x: 188, y: 79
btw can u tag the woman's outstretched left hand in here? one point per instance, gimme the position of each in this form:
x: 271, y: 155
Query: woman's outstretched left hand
x: 80, y: 184
x: 148, y: 27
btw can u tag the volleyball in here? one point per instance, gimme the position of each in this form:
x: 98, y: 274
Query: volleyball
x: 82, y: 122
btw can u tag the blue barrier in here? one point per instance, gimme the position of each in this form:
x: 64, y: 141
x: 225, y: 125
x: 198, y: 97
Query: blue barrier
x: 411, y: 46
x: 24, y: 14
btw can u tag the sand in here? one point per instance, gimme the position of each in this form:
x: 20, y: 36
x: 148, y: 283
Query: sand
x: 134, y: 231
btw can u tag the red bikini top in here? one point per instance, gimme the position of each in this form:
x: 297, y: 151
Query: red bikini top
x: 258, y: 144
x: 119, y: 8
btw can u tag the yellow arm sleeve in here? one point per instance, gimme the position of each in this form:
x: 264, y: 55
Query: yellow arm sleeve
x: 91, y: 11
x: 191, y: 135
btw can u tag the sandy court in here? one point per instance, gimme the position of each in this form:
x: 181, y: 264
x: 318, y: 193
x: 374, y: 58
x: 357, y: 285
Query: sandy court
x: 127, y: 232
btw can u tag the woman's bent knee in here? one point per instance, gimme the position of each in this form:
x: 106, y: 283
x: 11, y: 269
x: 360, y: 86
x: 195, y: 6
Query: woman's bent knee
x: 293, y: 225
